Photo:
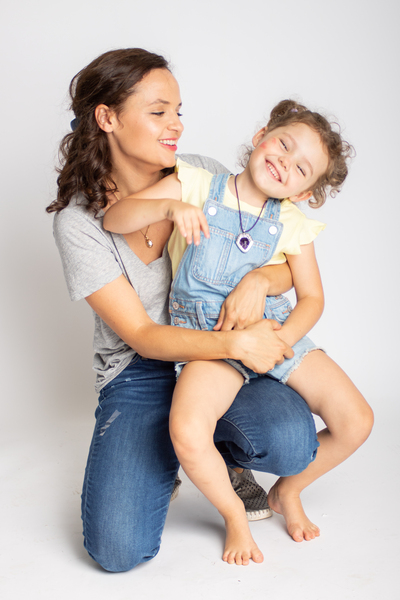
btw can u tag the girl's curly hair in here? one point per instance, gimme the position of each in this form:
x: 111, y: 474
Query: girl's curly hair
x: 84, y: 154
x: 289, y: 112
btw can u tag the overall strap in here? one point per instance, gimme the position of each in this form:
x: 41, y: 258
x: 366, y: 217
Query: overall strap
x: 217, y: 187
x: 272, y: 209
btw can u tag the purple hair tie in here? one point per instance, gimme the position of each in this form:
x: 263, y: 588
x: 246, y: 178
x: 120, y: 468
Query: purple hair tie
x: 294, y: 110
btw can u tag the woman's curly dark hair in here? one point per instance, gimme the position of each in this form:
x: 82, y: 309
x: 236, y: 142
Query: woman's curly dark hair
x: 84, y: 154
x: 289, y: 112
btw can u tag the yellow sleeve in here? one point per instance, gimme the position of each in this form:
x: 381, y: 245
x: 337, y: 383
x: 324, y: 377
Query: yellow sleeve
x: 298, y: 230
x: 195, y: 187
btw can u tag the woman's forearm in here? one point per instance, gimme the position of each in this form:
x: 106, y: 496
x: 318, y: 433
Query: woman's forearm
x: 165, y: 342
x: 118, y: 305
x: 258, y: 346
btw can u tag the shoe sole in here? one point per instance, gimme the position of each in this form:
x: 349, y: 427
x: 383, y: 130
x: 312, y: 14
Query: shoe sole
x: 175, y: 491
x: 258, y: 515
x: 174, y: 494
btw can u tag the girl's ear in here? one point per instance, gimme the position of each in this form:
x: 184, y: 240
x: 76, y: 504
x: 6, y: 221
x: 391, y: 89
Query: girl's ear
x: 104, y: 117
x: 259, y: 136
x: 300, y: 197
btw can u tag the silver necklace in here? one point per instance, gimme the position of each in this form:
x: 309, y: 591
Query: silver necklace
x: 244, y: 241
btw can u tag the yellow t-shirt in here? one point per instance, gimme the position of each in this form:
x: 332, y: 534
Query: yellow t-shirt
x: 298, y: 229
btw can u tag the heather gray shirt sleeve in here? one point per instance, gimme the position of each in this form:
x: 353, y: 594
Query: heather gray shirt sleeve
x: 86, y: 251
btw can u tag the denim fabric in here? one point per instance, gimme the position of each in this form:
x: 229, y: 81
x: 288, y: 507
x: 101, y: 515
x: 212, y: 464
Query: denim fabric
x: 208, y: 273
x: 268, y: 428
x: 131, y: 466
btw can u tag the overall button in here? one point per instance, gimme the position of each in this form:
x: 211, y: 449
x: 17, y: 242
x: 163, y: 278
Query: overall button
x: 176, y: 320
x: 212, y: 211
x: 273, y: 229
x: 175, y: 305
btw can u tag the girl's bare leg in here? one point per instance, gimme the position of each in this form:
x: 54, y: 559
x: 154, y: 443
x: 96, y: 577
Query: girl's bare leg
x: 203, y: 393
x: 330, y: 394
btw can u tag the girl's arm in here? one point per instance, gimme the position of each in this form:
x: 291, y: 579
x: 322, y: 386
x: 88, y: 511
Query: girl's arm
x: 117, y: 303
x: 309, y: 292
x: 158, y: 202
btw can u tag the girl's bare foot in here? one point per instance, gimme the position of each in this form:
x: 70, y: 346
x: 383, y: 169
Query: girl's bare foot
x: 289, y: 505
x: 239, y: 545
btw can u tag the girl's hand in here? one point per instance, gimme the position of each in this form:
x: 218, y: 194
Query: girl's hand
x: 189, y: 219
x: 245, y: 305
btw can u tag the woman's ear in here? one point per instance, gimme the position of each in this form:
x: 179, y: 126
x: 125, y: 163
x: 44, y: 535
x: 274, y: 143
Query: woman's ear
x: 104, y: 117
x: 300, y: 197
x: 259, y: 136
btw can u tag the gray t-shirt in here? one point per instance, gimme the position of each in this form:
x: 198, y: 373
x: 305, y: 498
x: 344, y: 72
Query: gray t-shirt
x: 92, y: 257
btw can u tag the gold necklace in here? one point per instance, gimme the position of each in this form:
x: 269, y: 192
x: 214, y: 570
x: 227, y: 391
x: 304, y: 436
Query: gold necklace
x: 147, y: 240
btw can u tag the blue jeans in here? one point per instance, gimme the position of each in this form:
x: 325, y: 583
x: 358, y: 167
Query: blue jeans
x: 132, y: 466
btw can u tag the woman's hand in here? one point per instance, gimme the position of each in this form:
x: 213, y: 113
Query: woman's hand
x: 261, y: 348
x: 189, y: 219
x: 245, y: 305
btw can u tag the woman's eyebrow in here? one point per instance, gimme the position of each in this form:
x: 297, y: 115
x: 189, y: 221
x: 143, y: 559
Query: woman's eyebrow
x: 160, y: 101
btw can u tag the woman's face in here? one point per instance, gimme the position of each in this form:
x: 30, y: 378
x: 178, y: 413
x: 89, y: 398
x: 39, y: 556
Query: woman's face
x: 146, y: 132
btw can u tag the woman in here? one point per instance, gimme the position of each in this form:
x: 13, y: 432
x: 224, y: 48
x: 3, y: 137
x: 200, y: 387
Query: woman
x: 127, y: 106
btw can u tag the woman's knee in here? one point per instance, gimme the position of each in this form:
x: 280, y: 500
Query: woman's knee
x: 288, y: 446
x: 269, y: 428
x: 119, y: 555
x: 291, y: 451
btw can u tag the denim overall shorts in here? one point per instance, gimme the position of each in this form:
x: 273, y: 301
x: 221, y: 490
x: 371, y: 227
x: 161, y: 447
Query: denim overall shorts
x: 208, y: 273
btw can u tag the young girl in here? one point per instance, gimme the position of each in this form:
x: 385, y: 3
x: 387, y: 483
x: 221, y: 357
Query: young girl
x: 237, y: 224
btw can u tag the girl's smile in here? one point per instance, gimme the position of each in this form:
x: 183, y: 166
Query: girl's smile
x: 286, y: 163
x: 273, y: 171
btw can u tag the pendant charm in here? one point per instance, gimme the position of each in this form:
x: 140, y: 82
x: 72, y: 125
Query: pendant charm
x: 244, y: 242
x: 149, y: 243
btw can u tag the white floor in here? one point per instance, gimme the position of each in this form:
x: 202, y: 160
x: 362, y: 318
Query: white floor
x: 42, y: 557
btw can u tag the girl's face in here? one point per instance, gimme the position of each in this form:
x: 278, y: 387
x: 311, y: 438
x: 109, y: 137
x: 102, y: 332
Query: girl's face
x: 288, y: 161
x: 145, y: 133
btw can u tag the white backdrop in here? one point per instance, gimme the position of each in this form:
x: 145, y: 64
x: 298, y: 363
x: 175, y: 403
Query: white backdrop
x: 234, y: 60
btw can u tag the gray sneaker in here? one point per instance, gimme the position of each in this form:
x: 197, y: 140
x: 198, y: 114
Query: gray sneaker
x: 254, y: 497
x: 176, y: 487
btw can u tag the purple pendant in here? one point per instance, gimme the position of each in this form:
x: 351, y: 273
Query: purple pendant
x: 244, y: 242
